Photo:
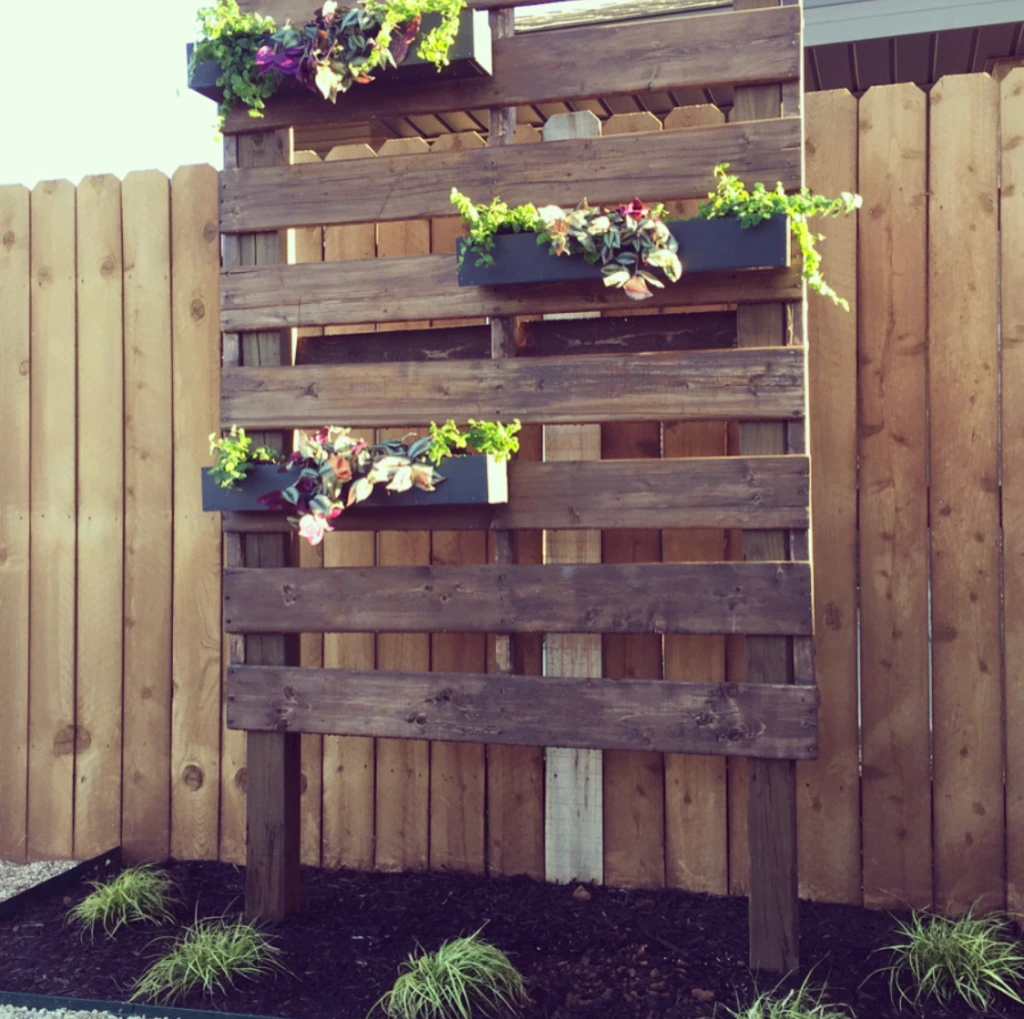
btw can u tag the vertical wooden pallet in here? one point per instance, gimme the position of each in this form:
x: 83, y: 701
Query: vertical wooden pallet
x: 764, y: 492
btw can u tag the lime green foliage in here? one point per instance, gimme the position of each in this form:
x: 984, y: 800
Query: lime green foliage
x: 211, y: 954
x: 436, y: 43
x: 137, y: 895
x: 486, y: 221
x: 463, y: 979
x: 731, y: 198
x: 483, y: 437
x: 232, y: 39
x: 805, y: 1002
x: 973, y: 958
x: 236, y: 457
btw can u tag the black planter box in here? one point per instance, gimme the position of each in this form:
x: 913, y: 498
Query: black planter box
x: 469, y: 56
x: 468, y: 481
x: 705, y: 245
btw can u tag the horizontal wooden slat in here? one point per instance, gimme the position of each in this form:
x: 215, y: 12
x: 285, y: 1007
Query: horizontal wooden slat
x: 404, y: 289
x: 659, y: 166
x: 753, y: 598
x: 699, y: 51
x: 744, y: 492
x: 744, y: 384
x: 728, y: 719
x: 710, y: 330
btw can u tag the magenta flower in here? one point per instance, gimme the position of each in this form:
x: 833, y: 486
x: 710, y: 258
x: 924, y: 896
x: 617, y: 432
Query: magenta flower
x: 286, y: 62
x: 313, y: 527
x: 635, y: 210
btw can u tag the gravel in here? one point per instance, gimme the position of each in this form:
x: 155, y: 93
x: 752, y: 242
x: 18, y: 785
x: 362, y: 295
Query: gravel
x: 16, y: 877
x: 14, y: 1012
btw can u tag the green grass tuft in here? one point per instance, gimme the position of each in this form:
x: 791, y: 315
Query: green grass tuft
x: 463, y: 978
x: 973, y: 958
x: 137, y: 895
x: 210, y: 954
x: 805, y: 1002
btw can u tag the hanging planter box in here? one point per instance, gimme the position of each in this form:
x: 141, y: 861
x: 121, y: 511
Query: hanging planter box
x: 705, y: 245
x: 468, y: 481
x: 469, y: 57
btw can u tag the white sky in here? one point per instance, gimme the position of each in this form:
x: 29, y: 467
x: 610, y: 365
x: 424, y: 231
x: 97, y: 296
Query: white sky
x: 103, y: 91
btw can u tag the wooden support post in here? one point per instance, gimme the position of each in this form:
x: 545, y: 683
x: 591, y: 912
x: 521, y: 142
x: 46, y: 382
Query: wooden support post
x: 574, y: 797
x: 273, y: 760
x: 771, y: 802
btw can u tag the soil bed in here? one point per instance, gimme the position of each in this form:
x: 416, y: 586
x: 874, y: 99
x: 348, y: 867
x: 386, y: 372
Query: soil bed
x: 614, y: 955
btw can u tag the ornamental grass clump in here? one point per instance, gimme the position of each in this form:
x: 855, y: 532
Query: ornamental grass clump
x: 137, y: 895
x: 463, y: 979
x: 975, y: 959
x: 211, y: 954
x: 805, y: 1002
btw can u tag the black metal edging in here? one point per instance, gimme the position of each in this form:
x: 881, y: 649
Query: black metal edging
x: 705, y: 245
x: 10, y: 908
x: 118, y: 1008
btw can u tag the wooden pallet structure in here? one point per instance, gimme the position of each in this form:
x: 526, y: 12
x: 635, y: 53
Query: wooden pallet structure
x: 759, y: 383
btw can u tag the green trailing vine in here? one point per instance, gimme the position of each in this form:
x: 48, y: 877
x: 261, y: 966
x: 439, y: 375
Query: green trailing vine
x: 632, y: 241
x: 731, y: 198
x: 339, y: 48
x: 332, y: 470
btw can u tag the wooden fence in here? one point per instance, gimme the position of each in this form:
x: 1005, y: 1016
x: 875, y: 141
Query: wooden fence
x: 110, y: 572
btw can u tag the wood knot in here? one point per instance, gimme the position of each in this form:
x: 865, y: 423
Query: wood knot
x: 64, y: 741
x: 107, y: 268
x: 23, y: 368
x: 192, y: 777
x: 241, y: 778
x: 197, y: 309
x: 210, y: 231
x: 9, y: 239
x: 303, y: 783
x: 83, y: 740
x: 45, y: 274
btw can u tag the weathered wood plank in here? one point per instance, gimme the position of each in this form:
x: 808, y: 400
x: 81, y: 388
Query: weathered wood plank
x: 963, y: 360
x: 15, y: 513
x: 701, y: 51
x: 752, y: 384
x: 51, y: 755
x: 100, y: 593
x: 755, y: 598
x: 896, y: 803
x: 719, y: 492
x: 756, y: 720
x: 413, y: 288
x: 541, y: 338
x: 675, y: 164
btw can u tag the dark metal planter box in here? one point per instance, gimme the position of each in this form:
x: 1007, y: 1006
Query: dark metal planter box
x: 469, y: 56
x: 705, y: 245
x: 469, y: 481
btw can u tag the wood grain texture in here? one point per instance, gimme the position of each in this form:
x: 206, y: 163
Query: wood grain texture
x: 893, y: 504
x: 754, y: 598
x: 15, y: 510
x: 53, y: 522
x: 1012, y: 331
x: 699, y: 51
x: 963, y: 359
x: 195, y: 725
x: 627, y: 714
x: 745, y: 384
x: 148, y: 523
x: 100, y: 592
x: 413, y: 288
x: 828, y: 810
x: 676, y: 164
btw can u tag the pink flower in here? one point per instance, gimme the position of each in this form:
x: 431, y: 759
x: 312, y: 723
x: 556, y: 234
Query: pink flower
x: 636, y: 209
x: 313, y: 527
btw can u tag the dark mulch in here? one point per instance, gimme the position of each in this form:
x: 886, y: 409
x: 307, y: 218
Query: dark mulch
x: 614, y: 955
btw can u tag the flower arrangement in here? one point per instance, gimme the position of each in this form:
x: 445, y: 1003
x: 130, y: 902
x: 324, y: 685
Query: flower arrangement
x: 628, y: 242
x: 338, y: 48
x: 333, y: 470
x: 632, y: 241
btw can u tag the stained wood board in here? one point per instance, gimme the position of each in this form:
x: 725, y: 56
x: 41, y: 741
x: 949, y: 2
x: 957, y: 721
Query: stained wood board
x: 754, y: 598
x: 1012, y: 330
x: 15, y: 510
x: 100, y: 591
x: 893, y: 504
x: 195, y: 721
x: 410, y: 181
x: 412, y: 288
x: 52, y: 549
x: 746, y: 384
x: 701, y: 51
x: 828, y: 809
x: 963, y: 358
